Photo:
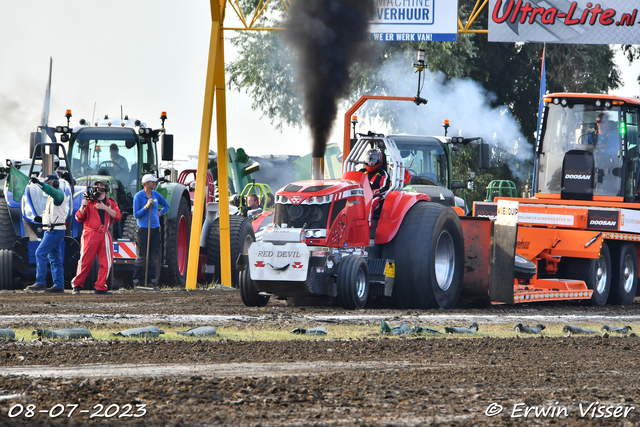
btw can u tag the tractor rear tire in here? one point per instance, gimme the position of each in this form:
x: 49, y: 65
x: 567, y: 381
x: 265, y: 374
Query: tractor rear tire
x: 429, y: 253
x: 177, y: 249
x: 249, y: 292
x: 7, y: 234
x: 242, y: 236
x: 624, y: 276
x: 6, y: 269
x: 353, y: 282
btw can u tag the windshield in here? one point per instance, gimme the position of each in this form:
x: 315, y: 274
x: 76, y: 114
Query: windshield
x: 581, y: 128
x: 425, y: 159
x: 112, y: 152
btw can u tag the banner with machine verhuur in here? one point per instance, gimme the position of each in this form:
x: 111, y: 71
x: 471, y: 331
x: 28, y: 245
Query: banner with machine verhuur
x: 414, y: 20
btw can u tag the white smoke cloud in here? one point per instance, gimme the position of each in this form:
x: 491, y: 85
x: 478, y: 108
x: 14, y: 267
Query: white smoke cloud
x: 464, y: 102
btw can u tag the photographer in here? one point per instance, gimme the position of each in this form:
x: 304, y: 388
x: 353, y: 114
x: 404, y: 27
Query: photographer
x: 97, y: 212
x: 54, y: 224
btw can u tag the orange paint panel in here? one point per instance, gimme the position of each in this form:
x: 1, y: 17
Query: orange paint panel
x: 557, y: 242
x: 576, y: 203
x: 608, y: 199
x: 635, y: 101
x: 547, y: 196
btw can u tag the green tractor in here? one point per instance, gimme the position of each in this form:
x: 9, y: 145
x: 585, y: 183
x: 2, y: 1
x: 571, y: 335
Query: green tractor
x: 119, y: 151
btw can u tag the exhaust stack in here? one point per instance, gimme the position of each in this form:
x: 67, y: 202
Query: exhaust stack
x: 317, y: 168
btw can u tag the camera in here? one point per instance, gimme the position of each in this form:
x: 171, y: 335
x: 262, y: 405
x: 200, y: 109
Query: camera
x: 91, y: 194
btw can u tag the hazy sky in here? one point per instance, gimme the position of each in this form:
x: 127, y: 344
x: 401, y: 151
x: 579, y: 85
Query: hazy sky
x: 146, y: 55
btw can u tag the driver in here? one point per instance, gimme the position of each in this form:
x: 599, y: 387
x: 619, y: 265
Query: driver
x: 378, y: 179
x: 121, y: 167
x: 607, y: 136
x: 606, y: 154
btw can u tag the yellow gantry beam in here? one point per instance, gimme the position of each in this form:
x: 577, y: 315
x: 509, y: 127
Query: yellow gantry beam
x: 480, y: 4
x: 215, y: 88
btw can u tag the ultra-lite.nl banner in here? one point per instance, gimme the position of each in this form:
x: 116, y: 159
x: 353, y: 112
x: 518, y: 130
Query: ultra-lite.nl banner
x: 564, y: 21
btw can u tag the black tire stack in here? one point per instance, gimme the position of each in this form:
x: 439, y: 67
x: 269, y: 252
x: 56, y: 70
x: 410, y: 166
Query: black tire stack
x: 241, y: 235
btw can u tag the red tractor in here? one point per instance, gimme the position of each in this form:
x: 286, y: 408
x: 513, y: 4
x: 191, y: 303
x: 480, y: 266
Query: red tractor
x: 325, y: 242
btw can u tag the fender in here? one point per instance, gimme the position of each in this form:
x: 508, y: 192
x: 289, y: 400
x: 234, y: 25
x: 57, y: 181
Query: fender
x: 395, y: 207
x: 172, y: 192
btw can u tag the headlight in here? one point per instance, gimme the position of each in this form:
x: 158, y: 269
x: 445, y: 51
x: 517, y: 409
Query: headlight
x: 317, y: 234
x: 26, y: 209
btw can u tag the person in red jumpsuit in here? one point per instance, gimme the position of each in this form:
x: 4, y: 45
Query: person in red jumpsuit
x: 378, y: 179
x: 97, y: 215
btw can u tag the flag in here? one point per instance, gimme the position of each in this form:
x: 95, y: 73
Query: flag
x: 543, y: 90
x: 17, y: 183
x: 44, y: 121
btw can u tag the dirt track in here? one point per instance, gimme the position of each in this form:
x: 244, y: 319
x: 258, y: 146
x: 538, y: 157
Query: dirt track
x: 370, y: 381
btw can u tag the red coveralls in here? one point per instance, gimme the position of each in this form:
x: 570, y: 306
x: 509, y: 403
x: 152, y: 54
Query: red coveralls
x: 96, y: 240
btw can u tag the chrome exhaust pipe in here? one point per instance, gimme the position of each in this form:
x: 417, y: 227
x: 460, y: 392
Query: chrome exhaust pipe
x: 317, y: 168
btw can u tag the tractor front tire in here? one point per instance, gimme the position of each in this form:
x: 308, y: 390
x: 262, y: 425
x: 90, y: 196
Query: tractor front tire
x: 429, y: 253
x: 7, y: 234
x: 249, y: 292
x: 523, y: 268
x: 177, y: 246
x: 353, y: 282
x: 241, y: 235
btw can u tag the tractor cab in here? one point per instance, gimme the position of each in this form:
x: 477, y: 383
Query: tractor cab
x: 115, y: 152
x: 587, y: 148
x: 392, y: 160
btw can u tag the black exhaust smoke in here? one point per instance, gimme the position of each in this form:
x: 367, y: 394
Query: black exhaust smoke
x: 328, y: 36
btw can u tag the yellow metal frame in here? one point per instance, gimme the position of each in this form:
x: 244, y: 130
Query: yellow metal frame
x: 215, y: 88
x: 480, y: 4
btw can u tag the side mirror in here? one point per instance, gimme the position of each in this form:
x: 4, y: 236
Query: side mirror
x: 167, y: 147
x: 483, y: 155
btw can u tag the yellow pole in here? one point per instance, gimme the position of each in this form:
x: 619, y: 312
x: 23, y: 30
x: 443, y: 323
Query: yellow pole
x: 205, y: 136
x: 223, y: 171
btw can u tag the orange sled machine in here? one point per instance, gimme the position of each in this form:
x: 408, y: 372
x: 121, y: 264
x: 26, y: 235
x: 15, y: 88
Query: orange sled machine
x: 582, y: 227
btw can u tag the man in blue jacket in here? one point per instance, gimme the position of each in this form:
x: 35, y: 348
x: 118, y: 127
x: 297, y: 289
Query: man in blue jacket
x: 53, y: 220
x: 145, y: 208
